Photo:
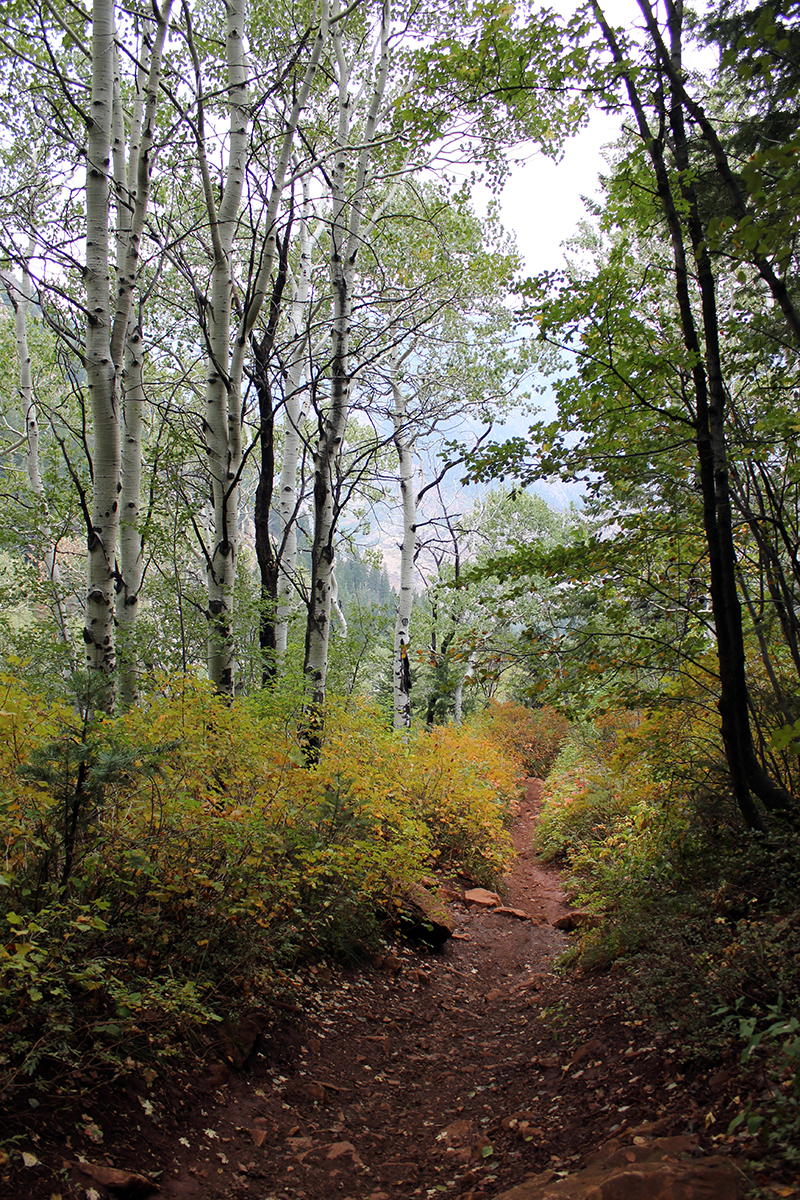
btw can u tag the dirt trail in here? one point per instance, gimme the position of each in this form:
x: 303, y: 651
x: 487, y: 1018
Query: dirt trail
x: 399, y: 1079
x: 426, y: 1075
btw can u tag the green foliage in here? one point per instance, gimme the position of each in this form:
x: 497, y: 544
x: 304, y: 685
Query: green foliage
x: 773, y: 1037
x: 507, y: 67
x: 489, y: 621
x: 701, y: 913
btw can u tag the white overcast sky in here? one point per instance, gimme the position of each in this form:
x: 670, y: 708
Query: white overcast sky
x: 541, y: 203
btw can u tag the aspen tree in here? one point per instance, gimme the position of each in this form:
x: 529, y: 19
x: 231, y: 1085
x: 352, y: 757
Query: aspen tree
x: 108, y: 325
x: 98, y: 633
x: 225, y: 359
x: 295, y: 409
x: 19, y: 295
x: 345, y: 242
x: 132, y: 179
x: 401, y: 672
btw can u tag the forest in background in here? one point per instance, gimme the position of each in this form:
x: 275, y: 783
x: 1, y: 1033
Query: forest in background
x: 252, y: 336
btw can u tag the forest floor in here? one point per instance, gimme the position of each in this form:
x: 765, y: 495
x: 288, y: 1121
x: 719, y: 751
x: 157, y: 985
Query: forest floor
x: 456, y: 1073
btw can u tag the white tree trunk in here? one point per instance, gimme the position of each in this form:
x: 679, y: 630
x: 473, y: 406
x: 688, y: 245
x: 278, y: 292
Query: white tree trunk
x: 19, y: 294
x: 130, y: 541
x: 106, y: 338
x: 225, y: 369
x: 346, y: 219
x: 402, y: 627
x: 222, y: 406
x: 459, y: 692
x: 295, y: 407
x: 261, y: 283
x: 132, y: 180
x: 98, y: 633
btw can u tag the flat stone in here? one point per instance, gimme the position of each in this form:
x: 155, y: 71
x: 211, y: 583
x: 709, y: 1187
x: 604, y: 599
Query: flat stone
x: 341, y: 1148
x: 423, y: 916
x: 127, y: 1184
x: 655, y: 1171
x: 593, y: 1047
x: 481, y: 898
x: 535, y: 983
x: 238, y: 1036
x: 511, y: 912
x: 457, y: 1133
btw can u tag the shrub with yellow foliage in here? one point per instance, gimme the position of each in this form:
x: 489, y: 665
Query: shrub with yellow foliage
x: 161, y: 862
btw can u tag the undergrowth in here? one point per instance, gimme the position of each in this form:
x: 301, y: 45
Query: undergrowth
x: 162, y: 868
x: 699, y: 911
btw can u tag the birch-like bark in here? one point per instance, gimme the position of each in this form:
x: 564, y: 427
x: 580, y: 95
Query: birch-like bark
x: 19, y: 295
x: 405, y: 601
x: 107, y: 335
x: 346, y: 220
x: 98, y: 632
x: 269, y: 555
x: 133, y: 196
x: 295, y: 408
x: 225, y: 369
x: 130, y: 541
x: 223, y: 429
x: 458, y: 695
x: 261, y: 285
x: 132, y: 181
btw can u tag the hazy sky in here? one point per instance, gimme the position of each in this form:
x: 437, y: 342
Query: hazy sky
x: 542, y: 203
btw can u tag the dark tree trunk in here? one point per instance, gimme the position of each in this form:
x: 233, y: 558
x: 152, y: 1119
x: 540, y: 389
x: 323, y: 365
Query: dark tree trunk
x: 748, y: 776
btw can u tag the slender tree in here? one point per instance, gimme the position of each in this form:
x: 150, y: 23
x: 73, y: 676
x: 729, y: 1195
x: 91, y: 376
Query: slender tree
x: 346, y: 239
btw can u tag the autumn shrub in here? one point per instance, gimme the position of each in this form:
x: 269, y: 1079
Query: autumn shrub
x: 699, y: 911
x: 165, y: 865
x: 463, y: 787
x: 598, y: 809
x: 532, y: 736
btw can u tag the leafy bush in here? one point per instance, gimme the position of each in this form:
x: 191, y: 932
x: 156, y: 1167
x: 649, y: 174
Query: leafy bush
x: 701, y: 912
x: 774, y: 1039
x: 463, y: 788
x: 533, y: 736
x: 179, y: 859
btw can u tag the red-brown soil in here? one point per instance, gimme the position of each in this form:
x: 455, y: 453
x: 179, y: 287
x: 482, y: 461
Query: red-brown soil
x: 455, y: 1074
